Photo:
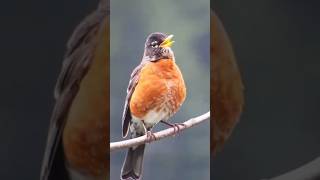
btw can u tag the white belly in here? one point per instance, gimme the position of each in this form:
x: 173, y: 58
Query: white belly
x: 153, y: 117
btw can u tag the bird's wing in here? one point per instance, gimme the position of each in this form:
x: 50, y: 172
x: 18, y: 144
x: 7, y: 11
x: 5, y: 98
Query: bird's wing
x: 126, y: 116
x: 78, y: 58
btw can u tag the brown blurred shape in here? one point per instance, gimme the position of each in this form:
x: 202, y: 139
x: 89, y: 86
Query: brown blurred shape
x: 227, y: 98
x: 77, y: 145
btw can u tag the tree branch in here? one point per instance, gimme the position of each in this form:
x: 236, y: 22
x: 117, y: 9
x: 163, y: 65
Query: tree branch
x: 159, y: 135
x: 309, y: 171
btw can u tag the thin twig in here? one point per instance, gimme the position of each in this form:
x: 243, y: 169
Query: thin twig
x: 159, y: 135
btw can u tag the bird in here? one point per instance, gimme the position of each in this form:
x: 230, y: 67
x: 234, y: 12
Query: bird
x: 227, y: 89
x: 155, y: 93
x: 77, y: 139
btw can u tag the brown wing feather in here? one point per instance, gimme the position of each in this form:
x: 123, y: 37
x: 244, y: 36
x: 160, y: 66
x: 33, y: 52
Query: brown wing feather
x: 76, y: 63
x: 126, y: 116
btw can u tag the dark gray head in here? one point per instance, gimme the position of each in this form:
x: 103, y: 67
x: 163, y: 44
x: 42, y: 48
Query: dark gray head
x: 157, y: 47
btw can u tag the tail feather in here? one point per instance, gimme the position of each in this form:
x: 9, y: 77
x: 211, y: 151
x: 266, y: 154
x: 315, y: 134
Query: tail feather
x: 132, y: 166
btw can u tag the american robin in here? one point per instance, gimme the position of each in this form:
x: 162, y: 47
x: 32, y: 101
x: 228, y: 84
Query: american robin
x: 77, y: 144
x: 156, y: 91
x: 227, y: 98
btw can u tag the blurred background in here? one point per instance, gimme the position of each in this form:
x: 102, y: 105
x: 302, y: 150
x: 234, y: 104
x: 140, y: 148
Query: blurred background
x: 185, y: 156
x: 33, y: 38
x: 277, y: 47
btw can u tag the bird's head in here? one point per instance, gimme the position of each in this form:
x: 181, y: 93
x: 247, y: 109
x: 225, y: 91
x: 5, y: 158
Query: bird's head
x: 158, y: 46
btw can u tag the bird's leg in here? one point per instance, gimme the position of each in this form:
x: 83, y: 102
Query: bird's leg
x: 150, y: 135
x: 176, y: 126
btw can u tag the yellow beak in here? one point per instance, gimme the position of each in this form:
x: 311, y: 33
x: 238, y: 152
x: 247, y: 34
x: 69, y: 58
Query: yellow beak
x: 167, y: 42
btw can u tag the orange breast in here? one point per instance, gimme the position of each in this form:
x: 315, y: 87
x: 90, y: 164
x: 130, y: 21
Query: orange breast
x: 159, y: 83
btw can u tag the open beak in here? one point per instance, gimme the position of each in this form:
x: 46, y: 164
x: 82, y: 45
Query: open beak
x: 167, y: 42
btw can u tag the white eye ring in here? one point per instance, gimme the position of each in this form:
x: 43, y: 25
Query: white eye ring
x: 154, y: 44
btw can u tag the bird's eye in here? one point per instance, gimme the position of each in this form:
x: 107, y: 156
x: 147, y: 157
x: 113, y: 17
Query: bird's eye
x: 154, y: 44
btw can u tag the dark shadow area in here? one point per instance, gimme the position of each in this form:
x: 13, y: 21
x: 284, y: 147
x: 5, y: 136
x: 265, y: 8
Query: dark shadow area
x: 33, y: 37
x: 277, y: 47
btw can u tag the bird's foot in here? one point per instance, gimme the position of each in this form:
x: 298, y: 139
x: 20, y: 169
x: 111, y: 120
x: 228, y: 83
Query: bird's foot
x: 176, y: 126
x: 151, y: 137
